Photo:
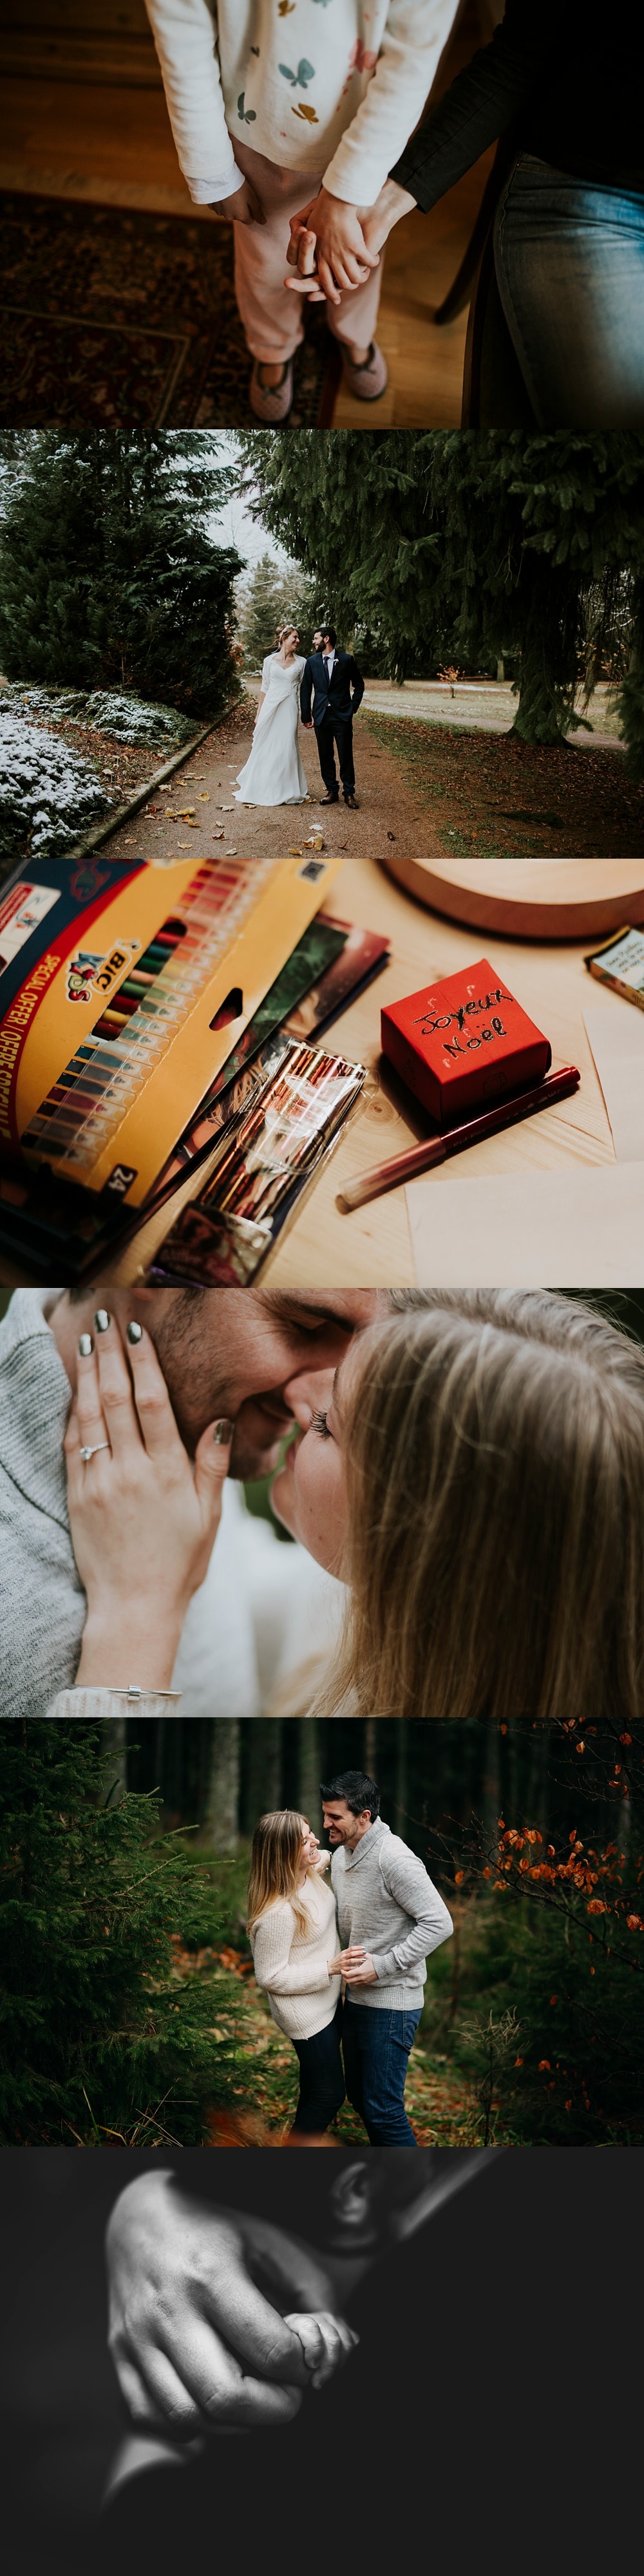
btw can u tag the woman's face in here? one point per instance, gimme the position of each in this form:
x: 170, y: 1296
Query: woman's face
x: 310, y: 1844
x: 290, y: 640
x: 308, y: 1495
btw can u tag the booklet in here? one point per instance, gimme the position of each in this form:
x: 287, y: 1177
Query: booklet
x: 620, y: 963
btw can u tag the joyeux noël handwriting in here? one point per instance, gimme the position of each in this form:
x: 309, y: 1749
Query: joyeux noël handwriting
x: 466, y: 1010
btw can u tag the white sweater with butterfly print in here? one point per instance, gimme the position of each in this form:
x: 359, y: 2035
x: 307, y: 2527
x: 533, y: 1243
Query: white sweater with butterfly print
x: 333, y: 88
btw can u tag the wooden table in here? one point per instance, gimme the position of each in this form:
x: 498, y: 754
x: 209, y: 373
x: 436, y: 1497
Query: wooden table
x: 371, y: 1247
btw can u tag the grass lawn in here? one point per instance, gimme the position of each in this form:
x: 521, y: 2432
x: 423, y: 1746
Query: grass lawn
x: 490, y: 796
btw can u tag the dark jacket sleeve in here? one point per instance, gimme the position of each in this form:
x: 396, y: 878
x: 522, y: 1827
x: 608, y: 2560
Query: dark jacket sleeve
x: 306, y: 692
x: 481, y: 102
x: 357, y: 684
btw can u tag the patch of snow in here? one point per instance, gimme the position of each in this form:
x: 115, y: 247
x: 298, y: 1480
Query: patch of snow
x: 115, y: 711
x: 131, y: 719
x: 49, y: 795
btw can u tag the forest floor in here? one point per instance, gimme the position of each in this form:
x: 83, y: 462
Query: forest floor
x: 439, y: 2100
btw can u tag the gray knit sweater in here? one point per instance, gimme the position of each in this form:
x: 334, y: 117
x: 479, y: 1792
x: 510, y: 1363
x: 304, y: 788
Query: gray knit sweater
x: 386, y: 1901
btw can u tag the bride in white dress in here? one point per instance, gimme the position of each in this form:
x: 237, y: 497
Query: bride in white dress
x: 273, y: 775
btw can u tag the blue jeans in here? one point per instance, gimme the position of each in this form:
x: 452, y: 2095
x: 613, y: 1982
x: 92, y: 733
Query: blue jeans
x: 321, y: 2079
x: 375, y: 2046
x: 569, y: 260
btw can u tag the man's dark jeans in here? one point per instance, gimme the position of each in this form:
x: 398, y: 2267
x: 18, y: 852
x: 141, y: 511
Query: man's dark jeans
x: 375, y: 2045
x: 321, y: 2079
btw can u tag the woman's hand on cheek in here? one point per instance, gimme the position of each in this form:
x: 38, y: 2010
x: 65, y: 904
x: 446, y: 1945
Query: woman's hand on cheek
x: 143, y: 1522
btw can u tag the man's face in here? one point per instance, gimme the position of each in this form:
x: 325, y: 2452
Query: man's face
x: 252, y: 1355
x: 342, y: 1826
x: 317, y: 639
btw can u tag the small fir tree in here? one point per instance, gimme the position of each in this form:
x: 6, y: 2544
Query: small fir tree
x: 104, y: 2031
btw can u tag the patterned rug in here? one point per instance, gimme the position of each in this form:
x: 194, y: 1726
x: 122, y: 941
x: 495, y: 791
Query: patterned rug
x: 113, y: 316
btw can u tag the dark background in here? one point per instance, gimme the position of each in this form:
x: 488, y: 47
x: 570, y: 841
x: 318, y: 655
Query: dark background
x: 491, y: 2396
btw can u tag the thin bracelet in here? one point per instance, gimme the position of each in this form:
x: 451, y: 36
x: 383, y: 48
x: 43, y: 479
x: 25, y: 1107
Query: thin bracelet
x: 134, y: 1691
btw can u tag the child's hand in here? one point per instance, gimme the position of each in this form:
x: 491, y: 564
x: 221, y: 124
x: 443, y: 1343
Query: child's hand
x: 326, y: 2342
x: 342, y: 258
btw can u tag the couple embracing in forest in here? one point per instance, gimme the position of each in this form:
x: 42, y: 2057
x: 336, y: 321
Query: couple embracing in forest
x: 344, y: 1966
x: 327, y: 690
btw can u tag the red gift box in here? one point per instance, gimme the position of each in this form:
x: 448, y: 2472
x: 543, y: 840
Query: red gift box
x: 463, y: 1042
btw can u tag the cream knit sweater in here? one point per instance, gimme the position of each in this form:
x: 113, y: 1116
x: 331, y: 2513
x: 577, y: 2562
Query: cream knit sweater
x: 292, y: 1968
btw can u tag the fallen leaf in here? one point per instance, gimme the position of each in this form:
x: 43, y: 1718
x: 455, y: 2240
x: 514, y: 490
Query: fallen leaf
x: 204, y: 797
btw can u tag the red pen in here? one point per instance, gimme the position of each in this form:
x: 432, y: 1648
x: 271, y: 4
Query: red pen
x: 422, y: 1158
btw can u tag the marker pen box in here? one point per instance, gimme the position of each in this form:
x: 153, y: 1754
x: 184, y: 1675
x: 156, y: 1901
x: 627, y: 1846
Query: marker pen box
x: 463, y: 1042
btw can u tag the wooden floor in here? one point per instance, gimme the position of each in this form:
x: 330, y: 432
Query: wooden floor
x: 113, y: 146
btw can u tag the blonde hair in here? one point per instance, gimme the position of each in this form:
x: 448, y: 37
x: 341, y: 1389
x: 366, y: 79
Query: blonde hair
x: 494, y: 1447
x: 276, y: 1865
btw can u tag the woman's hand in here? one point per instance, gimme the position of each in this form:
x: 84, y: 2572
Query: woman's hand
x: 143, y: 1522
x: 346, y: 1961
x: 379, y: 220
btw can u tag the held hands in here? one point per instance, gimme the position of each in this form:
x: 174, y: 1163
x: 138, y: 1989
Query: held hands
x: 143, y: 1522
x: 335, y: 230
x: 355, y: 1965
x: 197, y: 2345
x: 347, y: 240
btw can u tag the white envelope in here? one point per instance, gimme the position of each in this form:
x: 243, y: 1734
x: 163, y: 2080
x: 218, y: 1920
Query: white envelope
x: 616, y: 1038
x: 578, y: 1228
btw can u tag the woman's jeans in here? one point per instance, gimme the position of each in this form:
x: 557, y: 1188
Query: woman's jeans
x: 375, y: 2045
x: 569, y: 261
x: 321, y: 2078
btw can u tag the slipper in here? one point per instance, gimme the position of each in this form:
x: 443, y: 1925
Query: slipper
x: 271, y: 402
x: 369, y: 380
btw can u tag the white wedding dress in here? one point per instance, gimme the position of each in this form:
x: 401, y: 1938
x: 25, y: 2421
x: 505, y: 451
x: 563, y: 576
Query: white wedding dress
x: 273, y: 774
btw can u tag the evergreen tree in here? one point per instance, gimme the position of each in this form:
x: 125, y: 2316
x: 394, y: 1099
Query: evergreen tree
x: 108, y: 575
x: 440, y: 546
x: 264, y: 604
x: 99, y: 2035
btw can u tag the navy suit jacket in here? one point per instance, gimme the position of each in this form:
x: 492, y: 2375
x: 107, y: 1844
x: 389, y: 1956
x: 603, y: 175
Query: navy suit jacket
x: 344, y: 694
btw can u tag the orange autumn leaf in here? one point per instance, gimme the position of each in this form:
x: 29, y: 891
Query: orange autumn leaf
x: 544, y: 2066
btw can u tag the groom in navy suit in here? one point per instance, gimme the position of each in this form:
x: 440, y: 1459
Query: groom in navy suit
x: 335, y: 685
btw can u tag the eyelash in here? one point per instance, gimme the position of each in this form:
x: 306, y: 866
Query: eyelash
x: 321, y: 1425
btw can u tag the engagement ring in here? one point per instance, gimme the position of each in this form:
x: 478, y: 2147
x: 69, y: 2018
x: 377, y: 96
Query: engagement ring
x: 93, y: 1453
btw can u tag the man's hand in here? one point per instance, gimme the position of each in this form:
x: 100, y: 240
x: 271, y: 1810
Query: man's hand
x: 356, y: 1965
x: 343, y: 260
x: 360, y: 1971
x: 197, y: 2344
x: 243, y: 207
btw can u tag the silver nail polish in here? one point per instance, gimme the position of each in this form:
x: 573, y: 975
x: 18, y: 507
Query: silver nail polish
x: 134, y: 1332
x: 102, y: 1320
x: 85, y: 1346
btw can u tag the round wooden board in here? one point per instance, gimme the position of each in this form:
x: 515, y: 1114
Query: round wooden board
x: 528, y: 898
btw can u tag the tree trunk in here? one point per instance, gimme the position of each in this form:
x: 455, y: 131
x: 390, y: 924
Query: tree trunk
x: 115, y: 1750
x: 308, y: 1769
x: 264, y: 1787
x: 221, y: 1821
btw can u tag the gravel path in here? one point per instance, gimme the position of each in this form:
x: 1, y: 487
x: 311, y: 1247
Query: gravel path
x: 389, y: 806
